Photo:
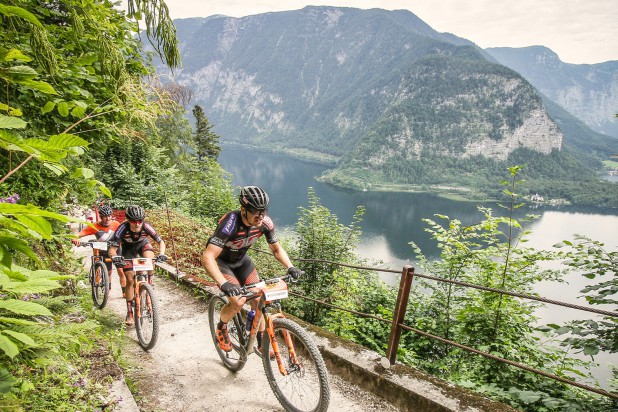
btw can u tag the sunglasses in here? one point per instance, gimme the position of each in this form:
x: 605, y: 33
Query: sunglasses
x: 260, y: 213
x: 135, y: 222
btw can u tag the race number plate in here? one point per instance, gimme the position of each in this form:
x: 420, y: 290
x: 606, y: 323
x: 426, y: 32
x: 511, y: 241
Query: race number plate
x: 276, y: 291
x: 142, y: 264
x: 99, y: 245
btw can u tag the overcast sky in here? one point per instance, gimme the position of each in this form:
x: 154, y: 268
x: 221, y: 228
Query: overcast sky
x: 579, y: 31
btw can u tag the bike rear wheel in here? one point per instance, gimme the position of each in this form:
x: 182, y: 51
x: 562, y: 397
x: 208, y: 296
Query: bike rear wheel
x: 99, y: 282
x: 304, y: 387
x: 235, y: 359
x: 147, y: 320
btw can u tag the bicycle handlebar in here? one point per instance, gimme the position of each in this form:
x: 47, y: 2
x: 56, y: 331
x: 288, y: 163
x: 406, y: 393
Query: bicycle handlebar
x: 123, y: 261
x: 246, y: 292
x: 91, y: 242
x: 285, y: 278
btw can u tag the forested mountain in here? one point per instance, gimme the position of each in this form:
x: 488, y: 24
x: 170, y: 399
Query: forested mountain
x: 588, y: 91
x: 379, y: 93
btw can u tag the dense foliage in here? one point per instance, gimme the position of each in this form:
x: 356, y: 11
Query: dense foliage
x: 76, y: 102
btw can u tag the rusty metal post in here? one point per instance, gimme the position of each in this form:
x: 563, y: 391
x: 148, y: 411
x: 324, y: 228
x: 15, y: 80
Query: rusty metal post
x: 169, y: 221
x: 407, y: 275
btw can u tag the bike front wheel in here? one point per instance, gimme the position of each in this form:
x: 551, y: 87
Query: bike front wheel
x: 235, y: 359
x: 146, y: 317
x: 99, y: 282
x: 303, y: 384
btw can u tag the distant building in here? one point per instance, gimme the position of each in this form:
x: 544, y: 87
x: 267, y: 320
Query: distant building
x: 537, y: 198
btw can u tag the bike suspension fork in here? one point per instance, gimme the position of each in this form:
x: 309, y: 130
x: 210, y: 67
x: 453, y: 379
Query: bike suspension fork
x: 270, y: 328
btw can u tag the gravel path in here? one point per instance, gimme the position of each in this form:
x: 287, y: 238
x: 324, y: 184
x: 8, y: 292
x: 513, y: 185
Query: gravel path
x: 184, y: 373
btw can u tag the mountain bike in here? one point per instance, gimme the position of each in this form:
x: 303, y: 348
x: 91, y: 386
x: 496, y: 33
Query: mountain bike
x: 145, y: 305
x: 292, y: 361
x: 99, y: 276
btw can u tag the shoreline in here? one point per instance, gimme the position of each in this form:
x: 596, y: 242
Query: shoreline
x: 332, y: 177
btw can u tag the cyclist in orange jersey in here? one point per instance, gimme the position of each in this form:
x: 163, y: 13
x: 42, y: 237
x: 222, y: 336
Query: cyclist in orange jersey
x: 103, y: 230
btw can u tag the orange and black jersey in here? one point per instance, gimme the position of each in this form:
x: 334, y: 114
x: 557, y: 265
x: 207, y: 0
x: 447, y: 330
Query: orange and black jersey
x: 235, y: 238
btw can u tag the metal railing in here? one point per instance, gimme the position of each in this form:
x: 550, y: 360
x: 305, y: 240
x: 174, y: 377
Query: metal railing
x: 397, y: 323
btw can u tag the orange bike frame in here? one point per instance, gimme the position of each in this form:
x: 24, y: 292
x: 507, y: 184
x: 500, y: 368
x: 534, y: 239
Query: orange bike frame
x: 138, y: 300
x: 270, y: 330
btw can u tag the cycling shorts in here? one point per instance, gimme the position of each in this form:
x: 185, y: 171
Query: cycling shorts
x: 242, y: 272
x: 134, y: 250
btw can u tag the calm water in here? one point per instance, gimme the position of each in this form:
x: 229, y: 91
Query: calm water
x: 392, y: 220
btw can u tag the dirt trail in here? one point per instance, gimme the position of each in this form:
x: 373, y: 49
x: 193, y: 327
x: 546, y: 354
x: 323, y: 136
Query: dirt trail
x: 184, y: 373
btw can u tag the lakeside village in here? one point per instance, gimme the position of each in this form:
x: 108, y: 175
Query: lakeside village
x: 536, y: 199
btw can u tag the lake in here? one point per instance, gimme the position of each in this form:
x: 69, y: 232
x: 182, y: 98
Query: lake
x: 392, y: 220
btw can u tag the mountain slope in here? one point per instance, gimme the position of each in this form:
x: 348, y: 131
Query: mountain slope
x: 371, y: 89
x: 588, y: 91
x: 302, y: 79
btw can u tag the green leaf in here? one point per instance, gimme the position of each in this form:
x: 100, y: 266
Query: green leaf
x: 78, y: 112
x: 56, y: 168
x: 82, y: 172
x: 81, y: 104
x: 14, y: 274
x: 10, y: 122
x: 104, y: 189
x: 5, y: 256
x: 32, y: 286
x: 38, y: 274
x: 17, y: 321
x: 24, y: 308
x: 63, y: 109
x: 87, y: 59
x: 8, y: 346
x: 528, y: 397
x: 75, y: 151
x: 42, y: 149
x: 38, y: 224
x: 64, y: 141
x: 14, y: 208
x: 591, y: 350
x: 14, y: 54
x: 20, y: 73
x: 39, y: 86
x: 49, y: 106
x: 21, y: 13
x: 10, y: 110
x: 54, y: 149
x: 7, y: 381
x: 22, y: 337
x: 18, y: 245
x: 13, y: 142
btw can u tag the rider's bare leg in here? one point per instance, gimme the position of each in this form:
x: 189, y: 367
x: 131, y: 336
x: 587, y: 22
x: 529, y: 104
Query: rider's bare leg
x: 149, y: 254
x: 122, y: 278
x: 232, y: 308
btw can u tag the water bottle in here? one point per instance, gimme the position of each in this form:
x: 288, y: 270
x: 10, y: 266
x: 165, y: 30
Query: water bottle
x: 250, y: 317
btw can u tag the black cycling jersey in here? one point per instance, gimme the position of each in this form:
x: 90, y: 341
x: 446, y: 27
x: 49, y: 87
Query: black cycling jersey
x: 134, y: 244
x: 236, y: 238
